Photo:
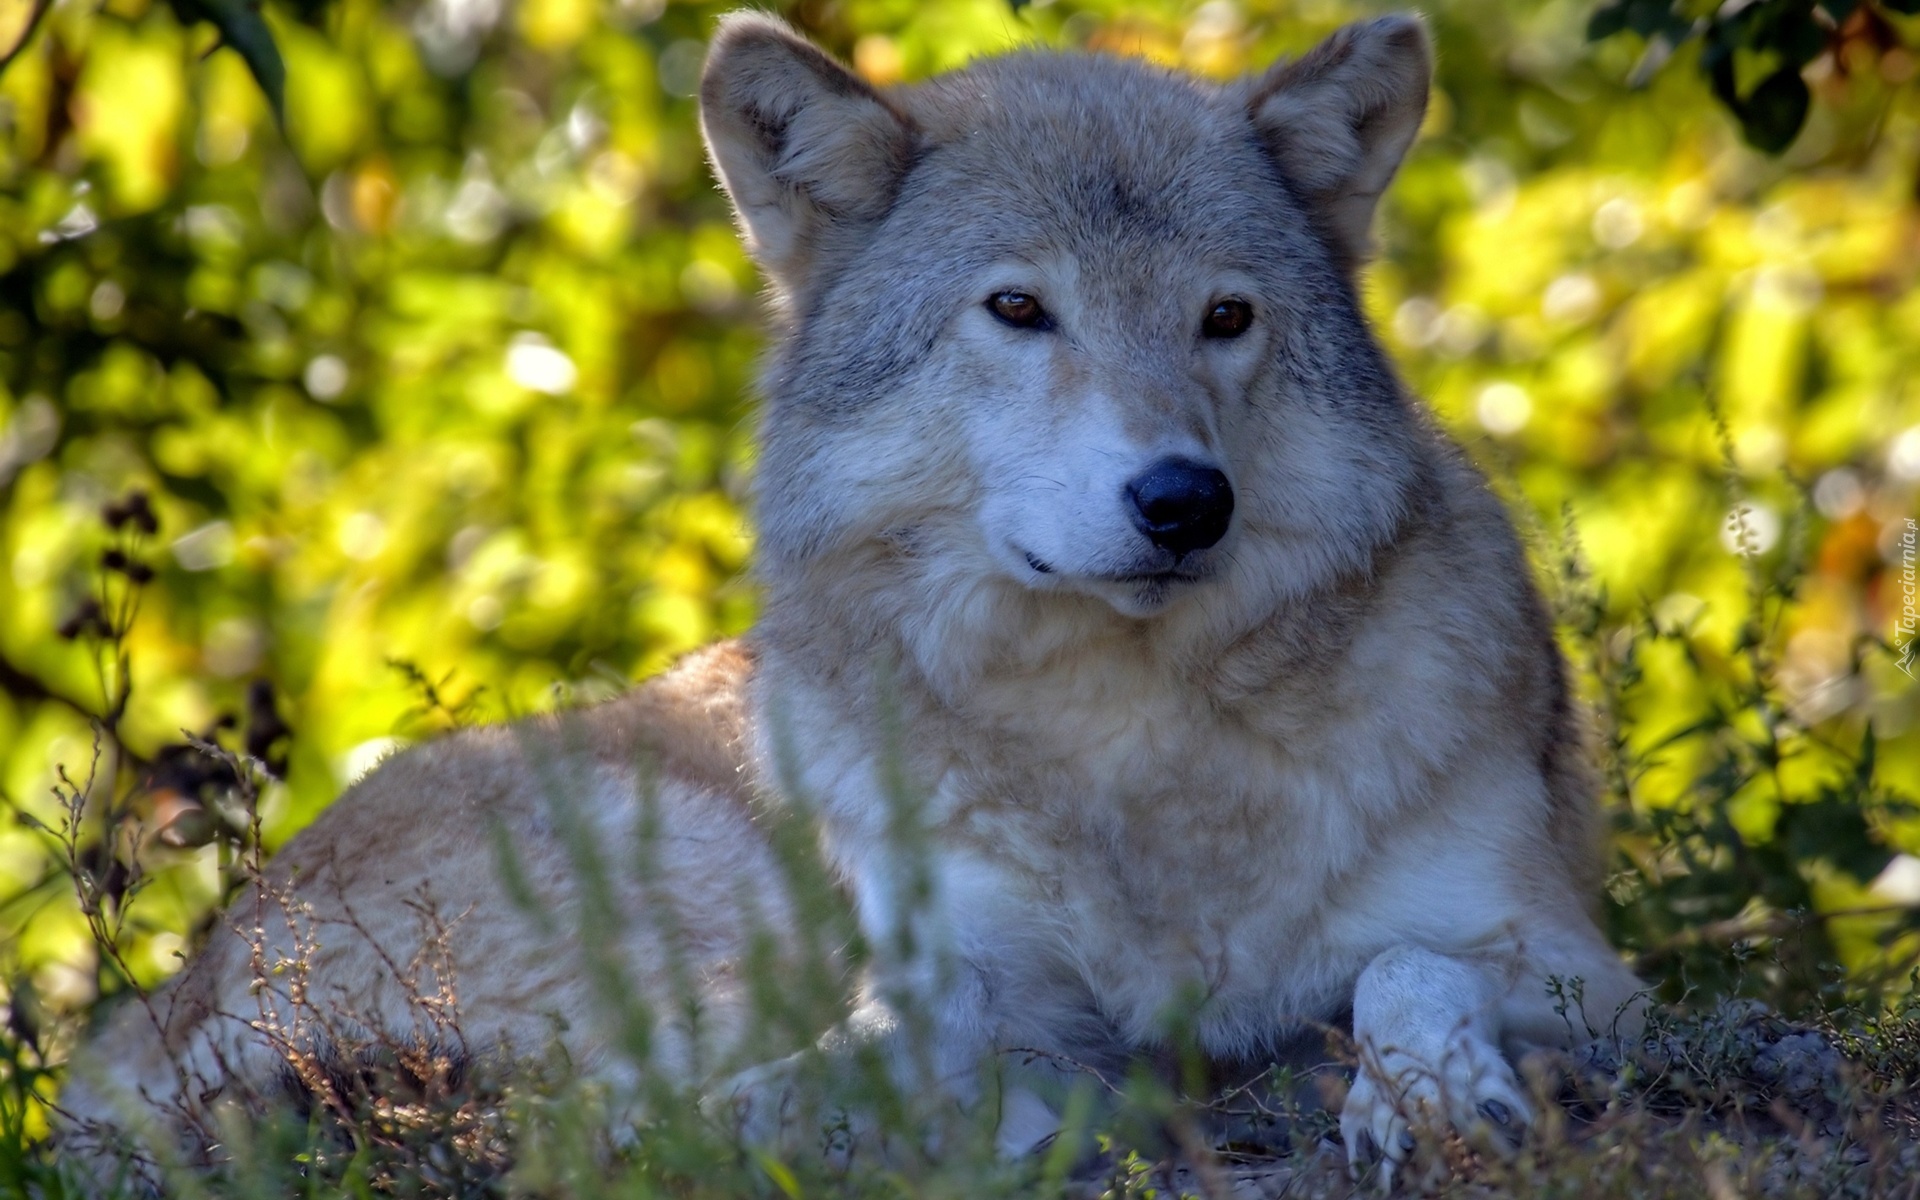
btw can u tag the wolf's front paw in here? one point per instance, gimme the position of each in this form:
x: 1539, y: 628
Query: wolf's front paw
x: 1400, y: 1099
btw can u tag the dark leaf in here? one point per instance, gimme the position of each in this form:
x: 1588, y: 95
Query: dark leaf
x: 1717, y: 61
x: 1772, y: 116
x: 1799, y: 40
x: 1835, y: 831
x: 242, y: 27
x: 39, y: 10
x: 1606, y: 21
x: 1648, y: 17
x: 266, y: 729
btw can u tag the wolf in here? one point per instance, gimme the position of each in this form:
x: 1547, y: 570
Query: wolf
x: 1092, y: 520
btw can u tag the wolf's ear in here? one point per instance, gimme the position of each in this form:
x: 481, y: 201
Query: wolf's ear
x: 801, y: 144
x: 1341, y: 118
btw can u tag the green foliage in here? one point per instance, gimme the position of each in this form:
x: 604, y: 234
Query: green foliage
x: 239, y: 24
x: 1755, y: 55
x: 1728, y: 887
x: 452, y: 371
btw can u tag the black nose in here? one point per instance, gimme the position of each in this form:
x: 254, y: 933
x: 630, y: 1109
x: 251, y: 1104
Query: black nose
x: 1181, y: 505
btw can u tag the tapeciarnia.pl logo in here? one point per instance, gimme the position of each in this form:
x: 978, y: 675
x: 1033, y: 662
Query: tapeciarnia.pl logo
x: 1905, y: 643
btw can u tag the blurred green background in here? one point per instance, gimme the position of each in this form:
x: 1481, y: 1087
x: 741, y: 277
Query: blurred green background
x: 455, y: 371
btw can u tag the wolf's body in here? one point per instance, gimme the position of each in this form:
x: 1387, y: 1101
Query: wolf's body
x: 1090, y: 509
x: 387, y: 924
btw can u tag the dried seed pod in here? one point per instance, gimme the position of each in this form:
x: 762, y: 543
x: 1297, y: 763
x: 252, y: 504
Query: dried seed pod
x: 131, y: 508
x: 125, y: 564
x: 145, y: 521
x: 85, y: 620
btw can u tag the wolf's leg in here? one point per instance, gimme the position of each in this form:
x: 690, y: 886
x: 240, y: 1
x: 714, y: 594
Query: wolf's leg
x: 948, y: 972
x: 1430, y: 1030
x: 146, y: 1090
x: 110, y: 1081
x: 768, y: 1105
x: 1427, y: 1029
x: 1573, y: 988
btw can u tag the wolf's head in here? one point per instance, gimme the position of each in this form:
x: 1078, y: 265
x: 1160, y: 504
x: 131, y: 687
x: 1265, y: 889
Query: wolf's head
x: 1072, y: 325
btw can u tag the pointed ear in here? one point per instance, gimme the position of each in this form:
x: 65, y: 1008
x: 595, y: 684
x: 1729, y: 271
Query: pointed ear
x: 803, y: 146
x: 1340, y: 120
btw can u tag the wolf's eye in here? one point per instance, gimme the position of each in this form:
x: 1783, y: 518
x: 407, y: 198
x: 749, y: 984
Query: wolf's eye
x: 1019, y: 310
x: 1227, y: 319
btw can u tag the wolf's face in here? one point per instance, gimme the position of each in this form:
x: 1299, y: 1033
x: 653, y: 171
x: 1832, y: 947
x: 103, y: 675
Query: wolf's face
x: 1092, y: 353
x: 1074, y: 324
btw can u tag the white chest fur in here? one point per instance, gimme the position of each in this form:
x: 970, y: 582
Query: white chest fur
x: 1091, y: 836
x: 1179, y: 858
x: 1139, y: 825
